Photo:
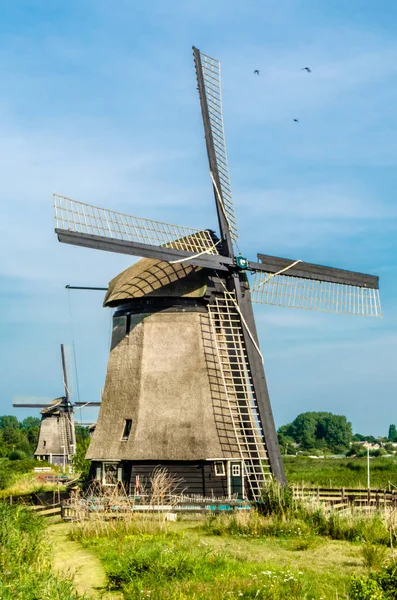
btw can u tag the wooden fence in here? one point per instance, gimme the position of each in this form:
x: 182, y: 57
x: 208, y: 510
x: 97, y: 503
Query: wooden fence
x: 52, y: 510
x: 344, y: 497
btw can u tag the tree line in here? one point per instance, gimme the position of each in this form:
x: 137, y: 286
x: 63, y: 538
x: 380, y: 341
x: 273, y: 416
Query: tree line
x: 326, y: 432
x: 309, y: 431
x: 18, y: 439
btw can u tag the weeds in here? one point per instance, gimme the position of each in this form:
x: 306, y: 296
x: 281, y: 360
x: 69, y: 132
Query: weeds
x: 158, y: 568
x: 373, y: 555
x: 305, y: 543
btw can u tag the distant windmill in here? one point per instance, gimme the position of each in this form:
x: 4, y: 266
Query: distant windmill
x: 57, y: 438
x: 185, y: 385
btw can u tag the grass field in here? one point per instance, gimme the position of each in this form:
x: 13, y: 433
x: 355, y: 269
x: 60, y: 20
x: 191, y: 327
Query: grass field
x: 341, y: 472
x: 245, y: 557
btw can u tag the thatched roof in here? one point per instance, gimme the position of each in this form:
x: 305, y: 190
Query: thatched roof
x: 149, y: 277
x: 164, y: 376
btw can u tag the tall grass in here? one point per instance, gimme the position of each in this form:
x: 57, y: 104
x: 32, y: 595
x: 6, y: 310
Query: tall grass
x: 111, y: 529
x: 25, y: 566
x: 283, y: 517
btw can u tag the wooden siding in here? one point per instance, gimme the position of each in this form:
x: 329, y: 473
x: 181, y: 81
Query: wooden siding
x: 197, y: 477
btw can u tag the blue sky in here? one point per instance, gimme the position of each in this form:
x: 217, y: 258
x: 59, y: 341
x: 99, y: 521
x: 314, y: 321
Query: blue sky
x: 98, y: 102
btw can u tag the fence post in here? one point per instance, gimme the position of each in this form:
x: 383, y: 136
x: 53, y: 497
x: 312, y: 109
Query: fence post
x: 343, y: 494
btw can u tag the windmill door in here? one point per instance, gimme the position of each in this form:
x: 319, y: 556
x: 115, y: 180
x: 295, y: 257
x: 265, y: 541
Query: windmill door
x: 236, y: 479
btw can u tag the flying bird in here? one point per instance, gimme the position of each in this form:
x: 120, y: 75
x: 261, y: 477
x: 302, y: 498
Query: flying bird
x: 296, y: 121
x: 308, y: 69
x: 256, y: 72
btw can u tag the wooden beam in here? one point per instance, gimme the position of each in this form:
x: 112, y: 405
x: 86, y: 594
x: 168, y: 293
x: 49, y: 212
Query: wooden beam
x: 274, y: 264
x: 97, y: 242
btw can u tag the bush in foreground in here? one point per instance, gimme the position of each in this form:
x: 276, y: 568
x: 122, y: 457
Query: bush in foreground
x: 381, y: 585
x: 26, y: 572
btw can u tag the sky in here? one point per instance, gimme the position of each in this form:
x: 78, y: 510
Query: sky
x: 98, y: 102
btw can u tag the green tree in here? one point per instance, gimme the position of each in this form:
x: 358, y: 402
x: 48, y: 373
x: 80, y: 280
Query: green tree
x: 31, y: 426
x: 392, y: 435
x: 320, y: 430
x: 9, y: 421
x: 11, y: 436
x: 30, y: 423
x: 79, y: 462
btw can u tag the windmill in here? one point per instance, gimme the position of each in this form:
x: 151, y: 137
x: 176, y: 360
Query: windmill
x: 185, y: 385
x: 57, y: 438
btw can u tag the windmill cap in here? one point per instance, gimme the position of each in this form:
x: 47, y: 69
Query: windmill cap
x: 152, y: 277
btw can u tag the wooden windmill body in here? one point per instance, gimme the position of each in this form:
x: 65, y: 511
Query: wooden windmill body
x: 185, y: 385
x: 57, y: 437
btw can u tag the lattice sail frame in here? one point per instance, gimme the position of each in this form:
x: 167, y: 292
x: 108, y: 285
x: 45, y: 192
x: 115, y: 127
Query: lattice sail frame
x: 239, y: 392
x: 79, y: 217
x: 211, y: 70
x: 311, y: 294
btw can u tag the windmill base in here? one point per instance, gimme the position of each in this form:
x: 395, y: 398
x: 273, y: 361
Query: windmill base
x: 209, y: 478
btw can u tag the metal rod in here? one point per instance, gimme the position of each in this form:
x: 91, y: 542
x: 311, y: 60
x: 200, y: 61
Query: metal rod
x: 80, y: 287
x: 65, y: 378
x: 368, y: 470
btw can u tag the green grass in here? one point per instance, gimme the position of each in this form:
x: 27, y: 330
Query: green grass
x: 17, y: 477
x: 341, y: 472
x: 196, y: 560
x: 25, y: 566
x: 305, y: 523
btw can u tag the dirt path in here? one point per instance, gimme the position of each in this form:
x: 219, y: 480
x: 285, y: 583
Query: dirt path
x: 72, y: 559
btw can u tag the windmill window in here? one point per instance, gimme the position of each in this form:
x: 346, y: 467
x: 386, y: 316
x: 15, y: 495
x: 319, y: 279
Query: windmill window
x: 236, y: 471
x: 219, y: 468
x: 127, y: 429
x: 109, y: 474
x: 44, y: 443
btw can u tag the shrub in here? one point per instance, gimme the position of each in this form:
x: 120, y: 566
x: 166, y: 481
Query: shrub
x: 16, y: 455
x: 373, y: 555
x: 275, y: 499
x: 362, y: 588
x: 378, y: 586
x: 305, y: 542
x: 387, y: 579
